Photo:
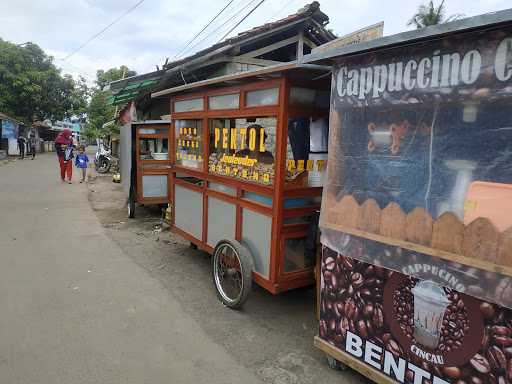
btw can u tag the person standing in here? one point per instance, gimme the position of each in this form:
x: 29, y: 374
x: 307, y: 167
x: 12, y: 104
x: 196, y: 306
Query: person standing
x: 63, y: 140
x: 32, y: 141
x: 81, y: 162
x: 21, y: 146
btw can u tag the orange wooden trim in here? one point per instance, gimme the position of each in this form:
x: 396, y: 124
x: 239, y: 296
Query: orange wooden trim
x: 205, y: 218
x: 279, y: 180
x: 153, y: 136
x: 188, y: 185
x: 151, y: 126
x: 152, y: 200
x: 303, y: 192
x: 262, y: 111
x: 265, y: 283
x: 290, y: 230
x: 294, y: 212
x: 239, y: 217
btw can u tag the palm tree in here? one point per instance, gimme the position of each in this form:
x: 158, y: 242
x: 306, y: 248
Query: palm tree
x: 431, y: 15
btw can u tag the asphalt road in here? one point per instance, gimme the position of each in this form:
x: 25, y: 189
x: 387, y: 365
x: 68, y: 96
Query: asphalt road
x: 76, y: 309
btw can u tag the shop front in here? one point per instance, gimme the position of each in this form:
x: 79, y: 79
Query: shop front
x: 249, y: 162
x: 416, y: 273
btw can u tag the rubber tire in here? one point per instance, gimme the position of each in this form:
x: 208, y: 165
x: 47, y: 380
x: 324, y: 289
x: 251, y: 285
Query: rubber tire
x: 131, y: 208
x: 247, y: 264
x: 103, y: 166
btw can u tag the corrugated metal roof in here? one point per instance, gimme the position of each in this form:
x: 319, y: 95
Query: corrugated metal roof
x: 427, y: 33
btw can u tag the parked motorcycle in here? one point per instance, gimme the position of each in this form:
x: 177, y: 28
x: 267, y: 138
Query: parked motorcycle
x: 103, y: 159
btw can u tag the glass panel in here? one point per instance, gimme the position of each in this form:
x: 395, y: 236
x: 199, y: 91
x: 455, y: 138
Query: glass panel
x: 298, y: 202
x: 221, y: 221
x: 295, y: 255
x: 222, y: 188
x: 243, y: 148
x: 189, y: 143
x: 189, y: 105
x: 154, y: 185
x: 188, y: 211
x: 224, y: 101
x: 262, y: 97
x: 266, y: 200
x: 154, y: 149
x: 257, y: 235
x: 306, y: 157
x: 304, y: 96
x: 153, y: 131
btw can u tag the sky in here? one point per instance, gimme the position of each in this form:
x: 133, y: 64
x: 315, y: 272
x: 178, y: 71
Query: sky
x: 159, y: 29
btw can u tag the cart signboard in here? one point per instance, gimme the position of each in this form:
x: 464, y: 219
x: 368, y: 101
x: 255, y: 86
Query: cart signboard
x: 417, y: 260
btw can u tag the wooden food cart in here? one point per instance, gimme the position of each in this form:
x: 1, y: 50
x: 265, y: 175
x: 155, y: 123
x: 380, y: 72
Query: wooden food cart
x: 249, y: 156
x: 145, y: 163
x: 416, y: 280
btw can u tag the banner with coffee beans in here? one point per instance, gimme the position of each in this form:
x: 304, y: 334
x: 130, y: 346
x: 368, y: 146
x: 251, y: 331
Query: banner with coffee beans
x: 418, y: 173
x: 412, y: 330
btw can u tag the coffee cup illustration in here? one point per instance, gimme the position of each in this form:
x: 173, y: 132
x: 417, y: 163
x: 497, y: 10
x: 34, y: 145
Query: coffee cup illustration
x: 430, y: 303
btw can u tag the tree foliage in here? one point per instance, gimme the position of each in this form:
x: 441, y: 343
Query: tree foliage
x: 431, y: 15
x: 99, y: 111
x: 32, y: 88
x: 104, y: 78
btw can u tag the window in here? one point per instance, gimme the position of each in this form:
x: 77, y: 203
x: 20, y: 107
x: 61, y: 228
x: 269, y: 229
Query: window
x: 224, y: 101
x: 306, y: 157
x: 189, y: 143
x: 153, y: 149
x: 262, y: 97
x: 243, y: 148
x: 190, y: 105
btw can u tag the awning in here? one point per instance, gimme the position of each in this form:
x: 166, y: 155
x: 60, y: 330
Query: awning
x: 130, y: 92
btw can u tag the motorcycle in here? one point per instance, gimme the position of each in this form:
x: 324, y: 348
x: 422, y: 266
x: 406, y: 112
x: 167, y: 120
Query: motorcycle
x: 103, y: 159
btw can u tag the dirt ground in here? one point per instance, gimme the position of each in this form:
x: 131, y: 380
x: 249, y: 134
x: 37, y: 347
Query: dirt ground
x: 272, y: 336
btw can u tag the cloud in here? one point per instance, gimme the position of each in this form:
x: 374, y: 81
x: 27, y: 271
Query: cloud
x: 159, y: 29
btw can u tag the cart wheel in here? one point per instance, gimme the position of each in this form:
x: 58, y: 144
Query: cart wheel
x: 131, y: 208
x: 335, y: 364
x: 232, y: 272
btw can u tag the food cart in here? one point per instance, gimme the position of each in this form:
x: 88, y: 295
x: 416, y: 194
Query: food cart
x: 249, y: 157
x: 145, y: 163
x: 416, y: 218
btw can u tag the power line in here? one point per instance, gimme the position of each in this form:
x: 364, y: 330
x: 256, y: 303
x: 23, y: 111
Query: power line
x: 281, y: 10
x: 202, y: 30
x: 241, y: 21
x: 222, y: 25
x: 104, y: 29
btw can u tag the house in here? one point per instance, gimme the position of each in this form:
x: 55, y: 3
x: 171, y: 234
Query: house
x: 282, y: 41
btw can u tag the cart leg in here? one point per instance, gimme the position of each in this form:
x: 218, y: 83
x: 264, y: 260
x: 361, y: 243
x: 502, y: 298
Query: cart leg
x: 335, y: 364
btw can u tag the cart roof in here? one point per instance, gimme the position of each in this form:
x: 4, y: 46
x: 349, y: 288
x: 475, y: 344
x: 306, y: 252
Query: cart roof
x: 304, y: 71
x: 151, y: 122
x: 488, y: 20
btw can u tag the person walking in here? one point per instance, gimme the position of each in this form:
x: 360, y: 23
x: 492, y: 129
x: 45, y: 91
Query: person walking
x: 81, y: 162
x: 63, y: 140
x: 21, y: 146
x: 32, y: 142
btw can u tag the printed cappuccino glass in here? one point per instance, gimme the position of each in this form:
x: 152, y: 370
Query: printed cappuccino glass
x: 430, y: 303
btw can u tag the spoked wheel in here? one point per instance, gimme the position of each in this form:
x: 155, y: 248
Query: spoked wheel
x: 232, y: 272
